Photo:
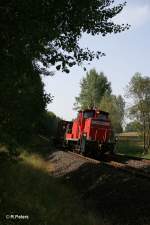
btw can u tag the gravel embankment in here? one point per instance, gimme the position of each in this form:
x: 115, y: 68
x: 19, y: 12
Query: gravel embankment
x: 64, y: 162
x: 112, y: 194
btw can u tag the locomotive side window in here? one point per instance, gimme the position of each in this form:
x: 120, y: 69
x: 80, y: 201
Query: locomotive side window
x: 88, y: 114
x: 102, y: 117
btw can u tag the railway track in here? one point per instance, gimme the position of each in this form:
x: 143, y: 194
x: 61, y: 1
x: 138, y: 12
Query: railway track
x: 135, y: 166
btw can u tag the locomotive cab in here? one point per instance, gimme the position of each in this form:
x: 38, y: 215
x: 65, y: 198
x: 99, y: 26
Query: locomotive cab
x: 90, y: 132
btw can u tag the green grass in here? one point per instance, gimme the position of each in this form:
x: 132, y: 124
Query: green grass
x: 132, y: 146
x: 27, y: 188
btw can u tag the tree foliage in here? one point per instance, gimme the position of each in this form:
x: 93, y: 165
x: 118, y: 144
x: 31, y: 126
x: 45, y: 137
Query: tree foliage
x: 139, y: 90
x: 48, y: 124
x: 93, y: 87
x: 133, y: 126
x: 115, y: 105
x: 23, y: 103
x: 49, y: 31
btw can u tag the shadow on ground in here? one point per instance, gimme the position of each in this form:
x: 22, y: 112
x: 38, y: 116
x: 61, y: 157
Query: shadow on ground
x: 114, y: 195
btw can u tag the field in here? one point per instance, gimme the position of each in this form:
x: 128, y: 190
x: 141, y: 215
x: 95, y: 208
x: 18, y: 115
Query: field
x: 131, y: 144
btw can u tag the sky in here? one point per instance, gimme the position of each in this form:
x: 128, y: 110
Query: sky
x: 126, y: 53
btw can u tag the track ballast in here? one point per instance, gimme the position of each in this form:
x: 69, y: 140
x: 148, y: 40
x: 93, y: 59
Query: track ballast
x: 135, y: 166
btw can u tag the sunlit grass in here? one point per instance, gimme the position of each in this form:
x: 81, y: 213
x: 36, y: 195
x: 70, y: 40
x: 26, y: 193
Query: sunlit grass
x: 37, y: 162
x: 131, y: 144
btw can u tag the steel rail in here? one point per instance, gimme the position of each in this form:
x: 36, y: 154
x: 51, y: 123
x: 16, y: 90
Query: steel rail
x: 115, y: 164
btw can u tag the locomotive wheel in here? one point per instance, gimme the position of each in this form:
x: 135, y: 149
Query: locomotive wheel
x: 109, y: 147
x: 112, y: 148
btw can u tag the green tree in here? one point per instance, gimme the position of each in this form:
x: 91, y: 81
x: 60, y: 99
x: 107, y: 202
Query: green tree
x: 23, y: 103
x: 139, y: 90
x: 93, y: 87
x: 48, y: 32
x: 133, y: 126
x: 115, y: 105
x: 48, y: 124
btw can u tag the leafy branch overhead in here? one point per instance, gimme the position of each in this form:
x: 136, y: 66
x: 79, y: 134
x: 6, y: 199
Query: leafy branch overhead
x: 49, y: 31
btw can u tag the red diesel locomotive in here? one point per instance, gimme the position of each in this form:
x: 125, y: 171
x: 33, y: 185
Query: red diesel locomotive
x: 91, y: 132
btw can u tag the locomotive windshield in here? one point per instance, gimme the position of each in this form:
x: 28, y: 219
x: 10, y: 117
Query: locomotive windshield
x: 88, y: 114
